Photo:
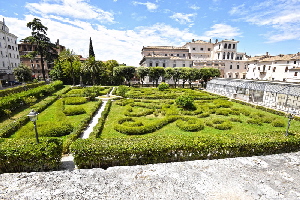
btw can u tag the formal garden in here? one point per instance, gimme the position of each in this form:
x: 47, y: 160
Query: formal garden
x: 144, y: 126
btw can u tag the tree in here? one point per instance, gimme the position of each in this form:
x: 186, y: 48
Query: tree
x: 176, y: 75
x: 184, y: 74
x: 92, y: 67
x: 57, y: 72
x: 108, y: 77
x: 155, y: 73
x: 142, y: 72
x: 193, y: 75
x: 44, y: 47
x: 71, y: 63
x: 91, y: 49
x: 207, y: 73
x: 23, y: 73
x: 125, y: 71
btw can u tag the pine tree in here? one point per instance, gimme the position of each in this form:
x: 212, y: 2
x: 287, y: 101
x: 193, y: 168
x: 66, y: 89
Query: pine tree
x: 91, y: 49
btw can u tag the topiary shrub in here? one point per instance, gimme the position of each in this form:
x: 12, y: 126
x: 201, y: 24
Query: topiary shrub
x: 255, y: 121
x: 190, y: 124
x: 74, y: 110
x: 278, y: 123
x: 74, y: 100
x: 227, y: 125
x: 163, y: 86
x: 204, y: 115
x: 218, y: 121
x: 121, y: 91
x: 222, y: 103
x: 235, y: 119
x: 186, y: 102
x: 223, y: 111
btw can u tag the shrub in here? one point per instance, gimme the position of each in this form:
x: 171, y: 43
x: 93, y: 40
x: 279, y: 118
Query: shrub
x: 121, y: 91
x: 163, y: 86
x: 190, y: 124
x: 223, y: 111
x: 24, y: 155
x: 278, y: 123
x: 255, y: 121
x: 204, y: 115
x: 74, y: 110
x: 222, y: 103
x: 227, y: 125
x: 74, y: 100
x: 218, y: 121
x: 235, y: 119
x: 185, y: 101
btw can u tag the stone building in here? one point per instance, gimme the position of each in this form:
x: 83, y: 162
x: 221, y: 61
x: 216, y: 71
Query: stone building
x: 274, y: 68
x: 9, y: 54
x: 35, y: 64
x: 222, y: 55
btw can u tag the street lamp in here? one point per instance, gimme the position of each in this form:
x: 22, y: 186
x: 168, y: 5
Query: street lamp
x: 290, y: 116
x: 33, y: 117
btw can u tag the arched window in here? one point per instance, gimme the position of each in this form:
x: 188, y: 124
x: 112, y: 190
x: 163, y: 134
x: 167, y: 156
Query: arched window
x: 231, y: 55
x: 218, y: 56
x: 219, y: 46
x: 229, y: 46
x: 228, y: 55
x: 225, y: 46
x: 224, y: 56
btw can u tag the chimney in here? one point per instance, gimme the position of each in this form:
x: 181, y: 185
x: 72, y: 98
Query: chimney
x: 193, y: 40
x: 267, y: 53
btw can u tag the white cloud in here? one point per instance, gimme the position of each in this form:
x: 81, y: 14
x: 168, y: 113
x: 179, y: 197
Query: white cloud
x: 183, y: 18
x: 194, y: 7
x: 150, y: 6
x: 78, y: 9
x: 223, y: 31
x: 282, y: 16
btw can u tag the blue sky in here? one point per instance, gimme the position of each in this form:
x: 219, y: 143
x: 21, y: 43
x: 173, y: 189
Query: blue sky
x: 120, y: 28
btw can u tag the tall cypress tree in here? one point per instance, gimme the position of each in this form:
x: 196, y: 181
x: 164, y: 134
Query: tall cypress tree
x: 91, y: 49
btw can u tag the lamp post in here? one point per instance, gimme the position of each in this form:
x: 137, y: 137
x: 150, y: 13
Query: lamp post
x: 33, y: 117
x: 290, y: 116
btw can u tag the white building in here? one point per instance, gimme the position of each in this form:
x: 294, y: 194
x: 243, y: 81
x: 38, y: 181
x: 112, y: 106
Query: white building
x: 9, y: 53
x: 274, y: 68
x: 198, y: 53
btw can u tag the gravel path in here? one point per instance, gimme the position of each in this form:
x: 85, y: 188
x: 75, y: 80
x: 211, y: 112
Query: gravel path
x: 259, y: 177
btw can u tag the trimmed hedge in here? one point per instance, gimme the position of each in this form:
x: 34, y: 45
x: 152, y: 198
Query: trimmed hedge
x: 104, y: 153
x: 24, y: 155
x: 20, y: 88
x: 190, y: 124
x: 74, y: 110
x: 74, y: 100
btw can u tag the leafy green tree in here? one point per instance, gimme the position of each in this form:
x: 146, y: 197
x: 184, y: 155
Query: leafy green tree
x: 44, y: 47
x: 71, y: 63
x: 207, y: 73
x: 186, y: 102
x: 23, y: 73
x: 125, y: 71
x: 142, y: 72
x: 92, y: 67
x: 169, y: 73
x: 57, y: 72
x: 184, y: 74
x: 155, y: 73
x: 193, y: 75
x: 176, y: 75
x: 107, y: 77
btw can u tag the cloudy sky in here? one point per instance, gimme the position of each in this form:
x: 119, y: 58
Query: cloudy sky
x: 120, y: 28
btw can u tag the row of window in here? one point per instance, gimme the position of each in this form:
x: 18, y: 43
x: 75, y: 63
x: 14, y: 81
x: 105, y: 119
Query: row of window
x: 10, y: 47
x: 10, y: 55
x: 12, y: 65
x: 237, y: 67
x: 10, y: 40
x: 227, y: 46
x: 202, y: 49
x: 164, y: 65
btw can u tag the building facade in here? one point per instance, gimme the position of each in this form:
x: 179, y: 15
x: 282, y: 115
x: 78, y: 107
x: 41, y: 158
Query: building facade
x: 222, y: 55
x: 274, y: 68
x: 9, y: 53
x: 35, y: 64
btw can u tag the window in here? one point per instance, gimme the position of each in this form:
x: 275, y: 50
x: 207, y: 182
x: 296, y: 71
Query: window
x: 287, y: 62
x: 296, y: 73
x: 209, y: 49
x: 171, y: 54
x: 231, y: 55
x: 229, y: 76
x: 37, y: 61
x: 156, y: 64
x: 229, y: 46
x: 245, y: 67
x: 150, y: 64
x: 228, y: 55
x: 236, y: 76
x: 201, y: 49
x: 238, y: 66
x: 174, y: 65
x: 164, y: 64
x: 274, y: 69
x: 183, y: 55
x: 269, y: 67
x: 286, y: 69
x: 219, y: 46
x: 178, y: 55
x: 258, y: 68
x: 218, y: 55
x: 183, y: 65
x: 194, y: 49
x: 225, y: 46
x: 166, y: 54
x: 233, y: 46
x: 223, y: 56
x: 230, y: 67
x: 295, y: 62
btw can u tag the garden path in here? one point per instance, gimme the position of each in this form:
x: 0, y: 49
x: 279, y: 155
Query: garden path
x: 67, y: 161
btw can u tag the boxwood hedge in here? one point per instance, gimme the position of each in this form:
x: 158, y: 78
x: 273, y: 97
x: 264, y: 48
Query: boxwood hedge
x: 24, y: 155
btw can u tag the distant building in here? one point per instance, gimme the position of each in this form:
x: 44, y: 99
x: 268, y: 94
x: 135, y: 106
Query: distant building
x: 35, y: 64
x: 222, y: 55
x: 9, y: 54
x: 274, y: 68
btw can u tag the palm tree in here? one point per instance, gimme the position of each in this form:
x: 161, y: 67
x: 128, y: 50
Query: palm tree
x: 92, y: 67
x: 70, y: 57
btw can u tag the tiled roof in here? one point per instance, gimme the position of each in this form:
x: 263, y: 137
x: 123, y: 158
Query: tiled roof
x: 164, y: 47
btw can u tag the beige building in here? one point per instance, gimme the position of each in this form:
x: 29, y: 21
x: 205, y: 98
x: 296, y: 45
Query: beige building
x: 9, y: 54
x: 274, y: 68
x: 35, y: 64
x: 198, y: 54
